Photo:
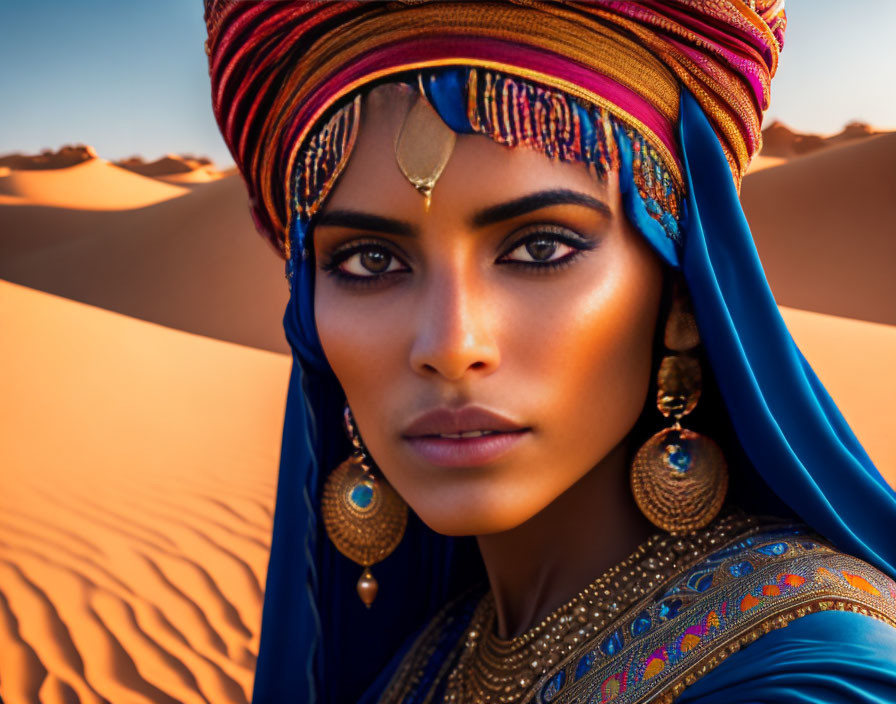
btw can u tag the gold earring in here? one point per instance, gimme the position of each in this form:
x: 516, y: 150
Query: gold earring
x: 364, y: 516
x: 679, y: 478
x: 423, y: 145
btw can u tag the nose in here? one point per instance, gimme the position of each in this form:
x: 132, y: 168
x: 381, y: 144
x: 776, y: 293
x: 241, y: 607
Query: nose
x: 456, y: 331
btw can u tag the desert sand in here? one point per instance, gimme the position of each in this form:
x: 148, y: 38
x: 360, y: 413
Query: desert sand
x: 174, y: 168
x: 164, y: 263
x: 823, y: 225
x: 854, y: 360
x: 93, y: 185
x: 765, y: 162
x: 67, y: 155
x: 167, y: 165
x: 138, y: 466
x: 191, y: 177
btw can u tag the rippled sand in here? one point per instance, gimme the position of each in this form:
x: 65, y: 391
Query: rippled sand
x: 138, y: 469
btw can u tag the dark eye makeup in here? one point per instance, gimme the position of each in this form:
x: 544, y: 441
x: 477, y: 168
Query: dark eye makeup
x: 537, y: 248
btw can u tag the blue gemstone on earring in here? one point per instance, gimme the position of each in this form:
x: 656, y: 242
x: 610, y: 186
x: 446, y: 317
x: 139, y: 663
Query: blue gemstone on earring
x: 361, y: 495
x: 677, y: 458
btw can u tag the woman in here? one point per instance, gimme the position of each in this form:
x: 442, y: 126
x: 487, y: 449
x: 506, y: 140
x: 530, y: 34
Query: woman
x: 520, y: 274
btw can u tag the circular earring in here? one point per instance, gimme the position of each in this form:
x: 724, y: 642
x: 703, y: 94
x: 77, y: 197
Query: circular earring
x: 679, y: 478
x: 363, y: 515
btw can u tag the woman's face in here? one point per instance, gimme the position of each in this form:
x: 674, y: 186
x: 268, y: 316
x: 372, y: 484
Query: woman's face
x: 522, y: 305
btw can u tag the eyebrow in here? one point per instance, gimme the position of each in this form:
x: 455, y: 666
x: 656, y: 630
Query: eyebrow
x: 487, y: 216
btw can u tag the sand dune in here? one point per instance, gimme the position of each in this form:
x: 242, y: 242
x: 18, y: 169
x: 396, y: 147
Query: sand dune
x: 765, y: 162
x: 190, y: 178
x: 138, y: 466
x: 94, y: 185
x: 823, y: 225
x: 779, y: 140
x: 194, y: 262
x: 68, y: 155
x: 167, y: 165
x: 174, y: 168
x: 854, y: 360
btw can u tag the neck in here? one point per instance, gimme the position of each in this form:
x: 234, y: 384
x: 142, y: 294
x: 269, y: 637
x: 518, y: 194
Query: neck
x: 543, y: 563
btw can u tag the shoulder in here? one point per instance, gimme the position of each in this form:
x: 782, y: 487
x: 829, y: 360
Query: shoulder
x: 826, y: 657
x: 786, y: 570
x: 731, y: 600
x: 803, y: 623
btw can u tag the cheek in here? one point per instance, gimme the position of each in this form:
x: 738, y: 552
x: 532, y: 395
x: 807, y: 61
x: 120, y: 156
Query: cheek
x: 591, y: 366
x: 354, y: 327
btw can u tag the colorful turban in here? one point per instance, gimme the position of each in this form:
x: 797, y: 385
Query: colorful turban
x: 278, y: 69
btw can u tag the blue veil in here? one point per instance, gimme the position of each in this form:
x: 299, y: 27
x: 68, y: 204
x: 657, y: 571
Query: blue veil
x: 320, y: 644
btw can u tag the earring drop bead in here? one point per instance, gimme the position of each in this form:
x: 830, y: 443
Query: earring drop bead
x: 367, y: 587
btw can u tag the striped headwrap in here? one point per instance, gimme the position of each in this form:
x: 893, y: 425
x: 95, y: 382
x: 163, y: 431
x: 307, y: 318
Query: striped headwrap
x: 279, y: 70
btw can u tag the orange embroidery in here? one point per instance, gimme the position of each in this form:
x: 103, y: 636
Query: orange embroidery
x: 689, y: 641
x: 861, y: 583
x: 654, y: 668
x: 792, y: 580
x: 748, y: 602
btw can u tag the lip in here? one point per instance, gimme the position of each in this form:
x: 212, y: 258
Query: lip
x: 423, y: 436
x: 444, y: 420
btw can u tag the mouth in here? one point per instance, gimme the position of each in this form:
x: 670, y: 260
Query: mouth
x: 465, y: 437
x: 468, y: 434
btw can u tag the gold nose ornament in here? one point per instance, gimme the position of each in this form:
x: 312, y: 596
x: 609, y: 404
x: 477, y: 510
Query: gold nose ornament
x: 423, y: 146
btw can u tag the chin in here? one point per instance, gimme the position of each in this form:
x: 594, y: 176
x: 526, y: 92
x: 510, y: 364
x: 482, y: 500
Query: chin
x: 487, y: 512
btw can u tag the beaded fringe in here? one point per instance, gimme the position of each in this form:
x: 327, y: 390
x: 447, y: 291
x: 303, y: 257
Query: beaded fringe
x: 513, y: 112
x: 655, y: 186
x: 323, y: 160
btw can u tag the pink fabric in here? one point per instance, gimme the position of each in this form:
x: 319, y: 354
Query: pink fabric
x: 511, y: 54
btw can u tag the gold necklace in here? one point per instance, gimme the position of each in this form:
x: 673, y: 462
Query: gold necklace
x: 491, y: 670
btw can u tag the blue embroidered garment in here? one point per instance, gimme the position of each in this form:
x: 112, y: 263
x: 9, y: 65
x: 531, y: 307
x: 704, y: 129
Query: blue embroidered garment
x: 802, y: 459
x: 761, y: 575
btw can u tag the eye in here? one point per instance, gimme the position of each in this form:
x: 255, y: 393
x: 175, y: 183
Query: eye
x: 547, y: 247
x: 368, y: 261
x: 539, y: 249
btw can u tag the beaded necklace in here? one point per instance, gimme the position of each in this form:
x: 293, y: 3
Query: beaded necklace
x: 492, y: 670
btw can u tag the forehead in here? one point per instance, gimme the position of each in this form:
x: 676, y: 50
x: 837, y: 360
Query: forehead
x: 480, y: 170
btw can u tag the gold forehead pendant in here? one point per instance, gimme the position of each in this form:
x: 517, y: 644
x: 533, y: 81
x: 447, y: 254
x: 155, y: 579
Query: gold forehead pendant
x: 423, y: 146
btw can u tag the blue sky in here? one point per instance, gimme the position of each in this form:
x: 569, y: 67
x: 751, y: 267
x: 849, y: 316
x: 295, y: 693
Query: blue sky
x: 130, y: 76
